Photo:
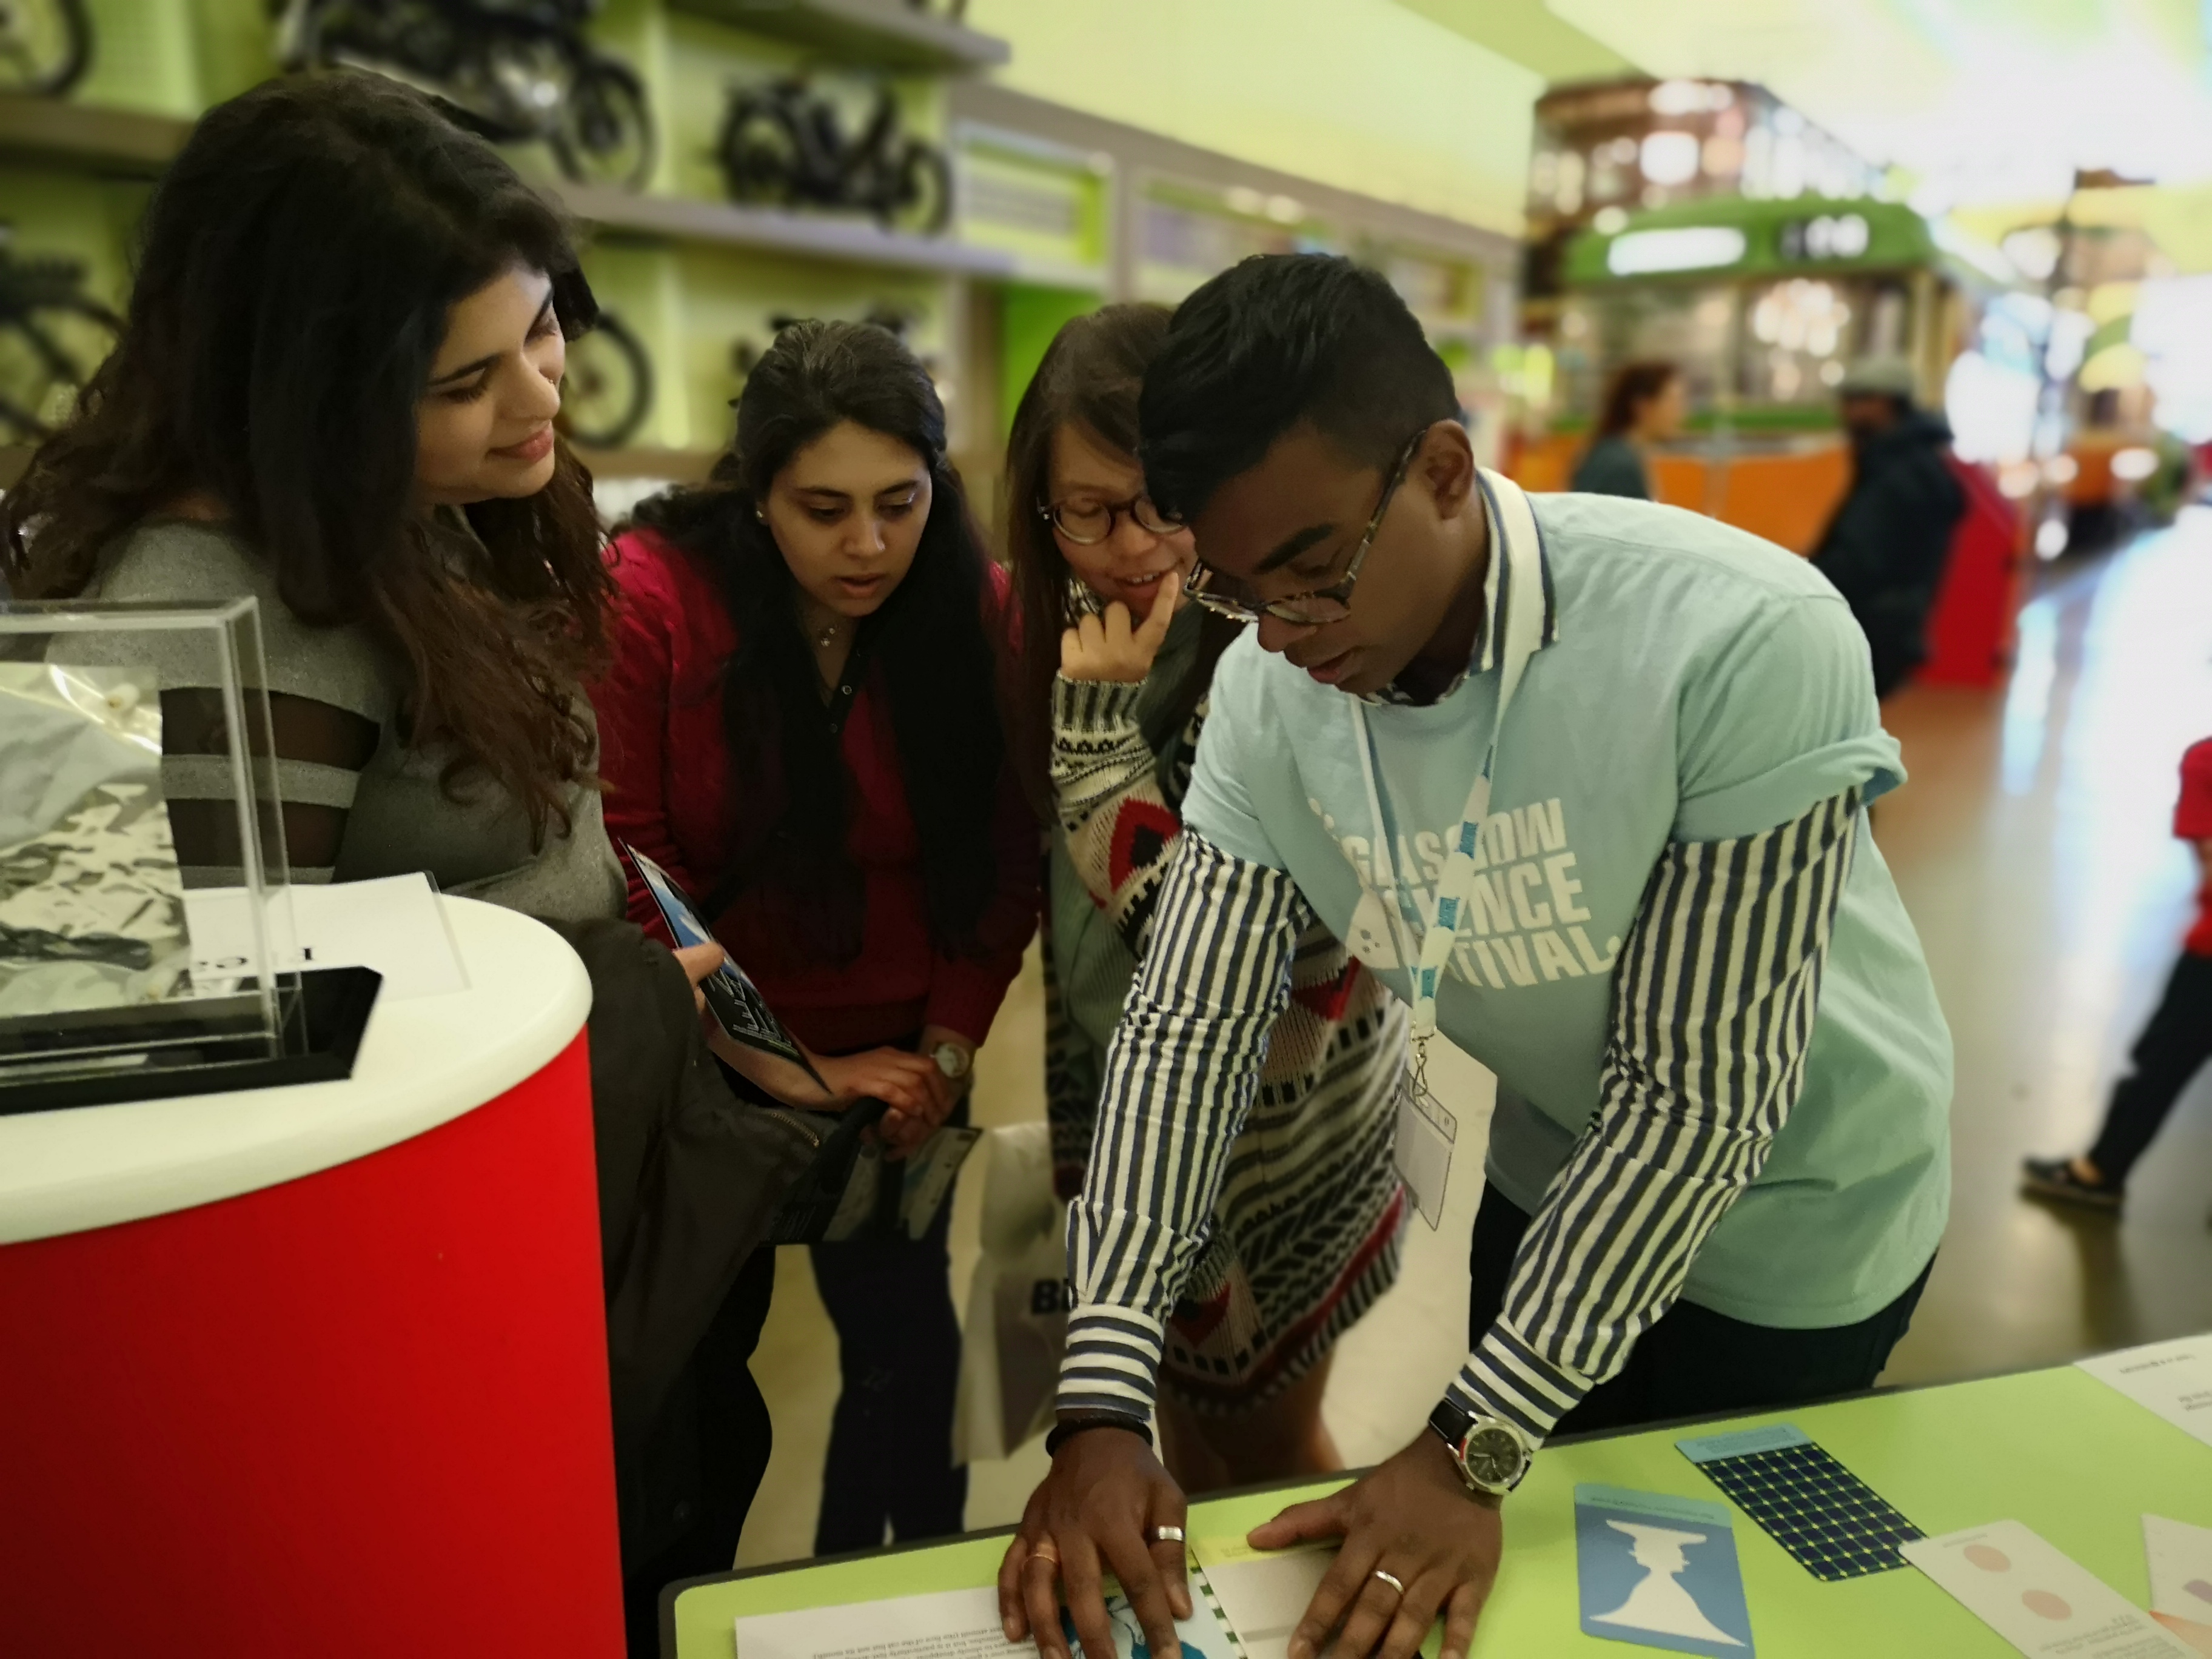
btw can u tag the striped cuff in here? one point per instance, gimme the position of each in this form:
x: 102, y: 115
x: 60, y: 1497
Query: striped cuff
x: 1085, y: 710
x: 1112, y: 1361
x: 1505, y: 1378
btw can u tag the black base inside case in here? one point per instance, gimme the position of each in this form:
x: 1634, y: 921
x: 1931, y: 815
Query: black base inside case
x: 208, y: 1051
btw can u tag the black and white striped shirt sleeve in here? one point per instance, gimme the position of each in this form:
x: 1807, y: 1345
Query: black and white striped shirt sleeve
x: 1713, y: 1008
x: 1180, y: 1077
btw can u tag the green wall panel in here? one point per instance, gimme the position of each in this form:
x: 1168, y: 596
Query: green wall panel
x: 1028, y: 317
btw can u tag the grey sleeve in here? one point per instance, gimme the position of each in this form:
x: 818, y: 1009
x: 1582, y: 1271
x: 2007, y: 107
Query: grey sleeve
x: 175, y: 563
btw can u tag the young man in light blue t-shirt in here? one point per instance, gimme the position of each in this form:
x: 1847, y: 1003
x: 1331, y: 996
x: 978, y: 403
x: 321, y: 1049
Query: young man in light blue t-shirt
x: 1718, y: 1168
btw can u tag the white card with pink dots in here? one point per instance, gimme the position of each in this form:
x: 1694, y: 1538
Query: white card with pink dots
x: 2044, y: 1604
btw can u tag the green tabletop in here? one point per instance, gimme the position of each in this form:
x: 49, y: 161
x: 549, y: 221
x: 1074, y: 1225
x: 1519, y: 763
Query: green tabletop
x: 2055, y: 1449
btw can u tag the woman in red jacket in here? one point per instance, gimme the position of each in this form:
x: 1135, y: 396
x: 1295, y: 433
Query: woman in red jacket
x: 801, y: 725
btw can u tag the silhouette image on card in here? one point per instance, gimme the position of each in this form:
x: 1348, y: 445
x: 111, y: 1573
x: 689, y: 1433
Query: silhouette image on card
x: 1659, y: 1572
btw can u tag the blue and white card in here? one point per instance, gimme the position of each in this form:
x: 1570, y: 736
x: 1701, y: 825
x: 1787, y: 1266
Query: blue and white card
x: 1659, y: 1572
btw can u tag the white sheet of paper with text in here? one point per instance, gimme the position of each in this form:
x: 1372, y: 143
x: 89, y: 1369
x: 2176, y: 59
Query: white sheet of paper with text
x: 2174, y: 1379
x: 960, y: 1624
x: 1264, y: 1594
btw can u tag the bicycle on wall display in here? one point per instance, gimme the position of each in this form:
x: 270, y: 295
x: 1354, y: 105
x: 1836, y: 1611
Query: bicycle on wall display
x: 45, y: 46
x: 786, y: 145
x: 606, y: 392
x: 516, y: 71
x: 52, y: 336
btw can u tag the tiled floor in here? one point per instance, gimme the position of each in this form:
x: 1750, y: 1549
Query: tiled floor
x: 2033, y: 849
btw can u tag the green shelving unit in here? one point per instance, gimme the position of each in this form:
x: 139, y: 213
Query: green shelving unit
x: 843, y: 239
x: 125, y: 143
x: 888, y: 34
x: 692, y: 275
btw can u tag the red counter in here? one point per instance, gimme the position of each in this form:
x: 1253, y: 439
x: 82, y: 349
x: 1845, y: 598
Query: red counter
x: 322, y: 1369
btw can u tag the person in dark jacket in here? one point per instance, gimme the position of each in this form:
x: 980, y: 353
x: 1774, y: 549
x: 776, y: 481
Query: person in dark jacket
x: 1644, y: 404
x: 1886, y: 546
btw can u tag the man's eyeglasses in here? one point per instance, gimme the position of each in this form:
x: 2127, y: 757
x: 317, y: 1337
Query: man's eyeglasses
x: 1088, y: 523
x: 1228, y: 596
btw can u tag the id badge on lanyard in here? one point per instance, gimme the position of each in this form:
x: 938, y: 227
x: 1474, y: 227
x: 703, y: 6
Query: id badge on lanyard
x: 1427, y: 1130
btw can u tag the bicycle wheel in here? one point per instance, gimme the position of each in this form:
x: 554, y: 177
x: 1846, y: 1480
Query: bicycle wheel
x: 604, y: 133
x: 759, y: 154
x: 48, y: 351
x: 925, y: 188
x: 607, y: 392
x: 45, y: 46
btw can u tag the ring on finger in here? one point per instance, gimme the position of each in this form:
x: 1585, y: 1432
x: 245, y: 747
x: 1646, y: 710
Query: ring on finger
x: 1389, y: 1578
x: 1043, y: 1552
x: 1167, y: 1535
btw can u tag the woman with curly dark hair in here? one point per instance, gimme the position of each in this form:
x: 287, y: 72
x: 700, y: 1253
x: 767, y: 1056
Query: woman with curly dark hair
x: 336, y: 394
x: 802, y: 725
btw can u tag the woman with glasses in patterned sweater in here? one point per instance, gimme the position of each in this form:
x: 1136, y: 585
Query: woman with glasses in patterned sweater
x: 1112, y: 696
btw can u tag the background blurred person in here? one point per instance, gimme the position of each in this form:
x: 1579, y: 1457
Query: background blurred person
x: 802, y: 726
x: 1645, y: 404
x: 2172, y: 1049
x: 335, y: 394
x: 1886, y: 546
x: 1308, y: 1230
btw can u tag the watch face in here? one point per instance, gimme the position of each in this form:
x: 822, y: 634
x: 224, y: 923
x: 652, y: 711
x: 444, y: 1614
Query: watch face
x: 950, y: 1060
x: 1493, y: 1457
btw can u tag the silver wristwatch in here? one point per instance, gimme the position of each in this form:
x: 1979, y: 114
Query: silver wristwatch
x: 1492, y: 1455
x: 952, y: 1060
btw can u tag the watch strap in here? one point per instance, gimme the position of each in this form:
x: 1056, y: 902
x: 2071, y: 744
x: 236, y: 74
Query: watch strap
x: 1451, y: 1421
x: 1065, y: 1432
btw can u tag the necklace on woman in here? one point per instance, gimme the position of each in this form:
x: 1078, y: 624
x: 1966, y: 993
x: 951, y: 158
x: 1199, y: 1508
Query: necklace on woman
x: 829, y: 640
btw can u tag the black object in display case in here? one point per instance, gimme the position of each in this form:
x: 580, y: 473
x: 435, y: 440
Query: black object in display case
x: 192, y: 1045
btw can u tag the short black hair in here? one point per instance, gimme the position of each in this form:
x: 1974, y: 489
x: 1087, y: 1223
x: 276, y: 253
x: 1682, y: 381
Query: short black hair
x: 1278, y: 341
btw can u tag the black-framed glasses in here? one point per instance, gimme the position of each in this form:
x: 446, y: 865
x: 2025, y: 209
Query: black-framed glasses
x: 1088, y: 523
x: 1225, y: 596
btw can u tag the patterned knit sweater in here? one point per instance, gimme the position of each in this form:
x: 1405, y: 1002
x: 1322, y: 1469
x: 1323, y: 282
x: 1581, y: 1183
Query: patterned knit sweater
x: 1311, y: 1178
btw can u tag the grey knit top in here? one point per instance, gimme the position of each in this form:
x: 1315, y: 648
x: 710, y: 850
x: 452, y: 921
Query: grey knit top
x: 473, y: 840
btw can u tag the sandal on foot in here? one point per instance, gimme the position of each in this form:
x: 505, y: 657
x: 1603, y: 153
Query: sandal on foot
x: 2054, y: 1177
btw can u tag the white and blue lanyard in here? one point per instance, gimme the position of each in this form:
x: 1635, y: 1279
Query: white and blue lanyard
x: 1516, y: 566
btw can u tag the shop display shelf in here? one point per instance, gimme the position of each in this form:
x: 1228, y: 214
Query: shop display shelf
x: 94, y: 137
x: 676, y: 465
x: 886, y: 33
x: 847, y: 241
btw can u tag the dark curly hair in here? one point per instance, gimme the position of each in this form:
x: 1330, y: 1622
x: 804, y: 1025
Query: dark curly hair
x: 928, y: 641
x: 294, y: 273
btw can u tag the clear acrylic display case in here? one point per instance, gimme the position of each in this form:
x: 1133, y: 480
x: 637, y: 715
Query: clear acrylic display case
x: 145, y: 924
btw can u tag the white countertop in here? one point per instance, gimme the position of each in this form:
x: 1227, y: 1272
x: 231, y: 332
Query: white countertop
x: 422, y: 1062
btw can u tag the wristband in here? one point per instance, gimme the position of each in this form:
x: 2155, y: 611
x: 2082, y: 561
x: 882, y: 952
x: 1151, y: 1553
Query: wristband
x: 1066, y: 1431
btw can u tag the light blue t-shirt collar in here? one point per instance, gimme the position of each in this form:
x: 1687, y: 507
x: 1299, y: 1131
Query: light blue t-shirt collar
x: 1496, y: 593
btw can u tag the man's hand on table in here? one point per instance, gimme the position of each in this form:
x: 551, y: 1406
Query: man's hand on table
x: 1413, y: 1518
x: 1092, y: 1514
